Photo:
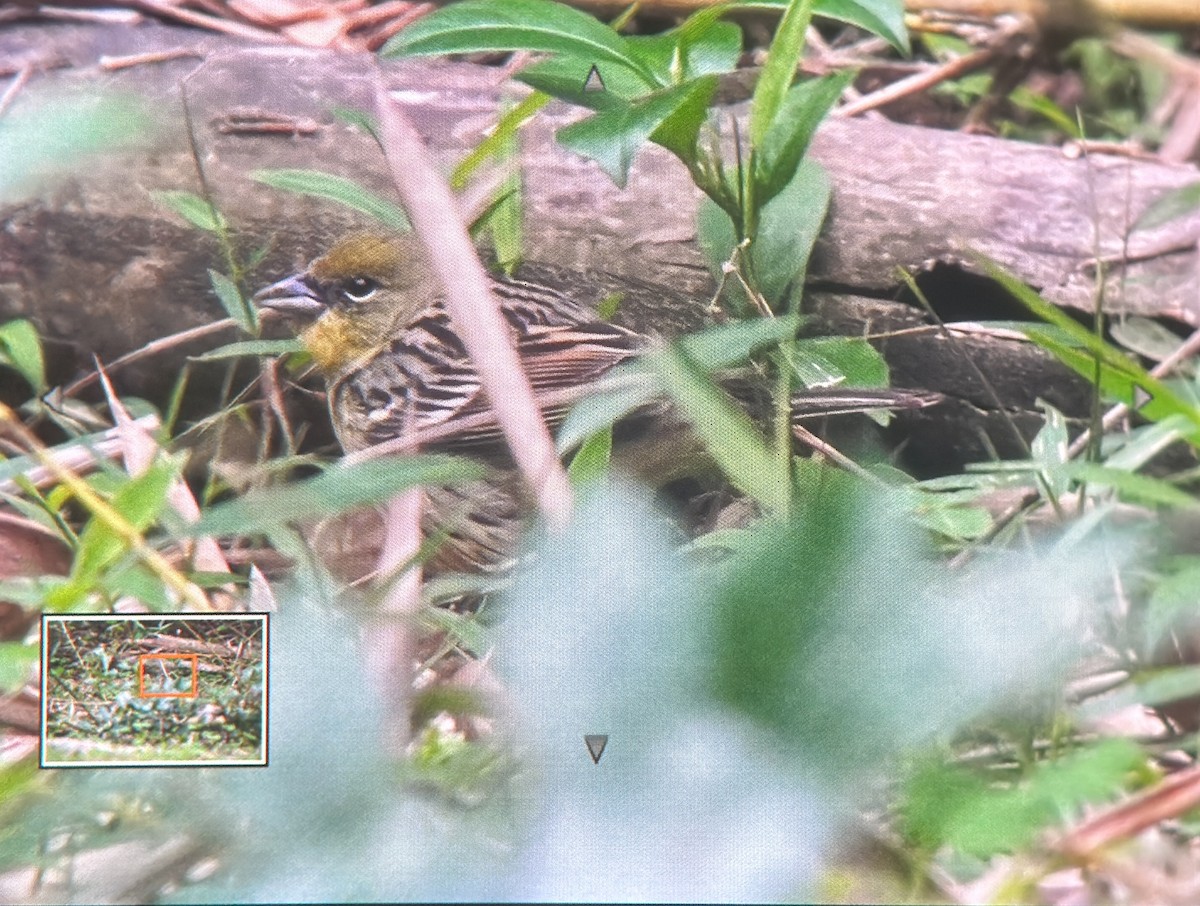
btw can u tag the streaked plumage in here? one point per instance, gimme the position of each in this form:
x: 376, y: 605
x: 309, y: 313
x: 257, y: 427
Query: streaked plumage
x: 395, y: 368
x: 392, y: 361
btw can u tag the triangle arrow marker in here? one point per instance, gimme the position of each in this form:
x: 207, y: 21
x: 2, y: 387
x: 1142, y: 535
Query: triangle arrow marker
x: 594, y: 81
x: 595, y: 743
x: 1141, y: 396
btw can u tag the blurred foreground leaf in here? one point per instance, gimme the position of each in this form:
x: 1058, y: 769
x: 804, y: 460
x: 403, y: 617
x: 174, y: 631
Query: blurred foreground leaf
x: 842, y: 633
x: 946, y: 804
x: 44, y: 136
x: 337, y: 489
x: 21, y: 349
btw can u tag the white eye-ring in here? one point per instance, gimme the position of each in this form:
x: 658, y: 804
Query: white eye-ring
x: 359, y: 289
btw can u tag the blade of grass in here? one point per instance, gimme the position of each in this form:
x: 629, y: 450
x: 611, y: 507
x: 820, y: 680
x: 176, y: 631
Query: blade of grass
x: 337, y: 489
x: 1164, y: 401
x: 726, y: 430
x: 340, y: 189
x: 779, y: 70
x: 496, y: 143
x: 110, y: 517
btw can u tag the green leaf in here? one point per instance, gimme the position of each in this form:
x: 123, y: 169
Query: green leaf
x: 17, y: 777
x: 850, y: 361
x: 934, y: 793
x: 784, y: 611
x: 942, y: 514
x: 21, y: 349
x: 996, y: 821
x: 703, y: 45
x: 358, y: 119
x: 590, y: 462
x: 1025, y: 99
x: 949, y: 805
x: 15, y: 660
x: 1174, y: 601
x: 718, y: 238
x: 207, y: 579
x: 564, y: 78
x: 1170, y: 206
x: 732, y: 343
x: 505, y: 221
x: 803, y: 108
x: 725, y: 429
x: 631, y: 387
x: 1115, y: 383
x: 884, y: 18
x: 1132, y: 487
x: 500, y: 140
x: 233, y: 302
x: 1118, y: 372
x: 532, y: 25
x: 606, y: 308
x: 250, y: 348
x: 612, y: 137
x: 845, y: 597
x: 337, y: 489
x: 1126, y: 382
x: 839, y: 362
x: 192, y: 208
x: 139, y: 501
x: 1145, y: 442
x: 706, y: 45
x: 1049, y: 450
x: 680, y: 129
x: 318, y: 184
x: 779, y: 70
x: 788, y: 229
x: 713, y: 349
x: 881, y: 17
x: 1151, y: 689
x: 134, y: 580
x: 1144, y: 336
x: 1148, y: 688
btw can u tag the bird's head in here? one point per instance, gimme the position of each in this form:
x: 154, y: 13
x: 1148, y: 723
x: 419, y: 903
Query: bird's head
x: 351, y: 299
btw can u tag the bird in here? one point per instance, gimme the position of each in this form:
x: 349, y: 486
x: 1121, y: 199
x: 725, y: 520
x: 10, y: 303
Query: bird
x: 381, y: 336
x: 372, y: 317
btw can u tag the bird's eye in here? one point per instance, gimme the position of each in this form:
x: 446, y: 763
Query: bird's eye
x: 359, y: 289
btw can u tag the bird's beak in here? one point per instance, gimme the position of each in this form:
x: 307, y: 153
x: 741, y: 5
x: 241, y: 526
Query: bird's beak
x: 293, y: 296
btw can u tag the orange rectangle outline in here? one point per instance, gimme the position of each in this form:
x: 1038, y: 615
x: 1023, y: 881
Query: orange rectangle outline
x: 194, y: 658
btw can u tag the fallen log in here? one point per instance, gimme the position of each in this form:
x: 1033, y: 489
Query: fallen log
x: 102, y: 267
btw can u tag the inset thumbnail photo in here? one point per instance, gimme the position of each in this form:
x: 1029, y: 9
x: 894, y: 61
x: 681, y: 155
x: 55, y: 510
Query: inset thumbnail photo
x: 154, y: 690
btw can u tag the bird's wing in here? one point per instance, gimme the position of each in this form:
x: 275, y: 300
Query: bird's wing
x: 560, y: 343
x: 424, y: 378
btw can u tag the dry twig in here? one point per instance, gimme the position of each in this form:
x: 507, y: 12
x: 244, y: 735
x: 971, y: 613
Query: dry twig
x: 435, y: 216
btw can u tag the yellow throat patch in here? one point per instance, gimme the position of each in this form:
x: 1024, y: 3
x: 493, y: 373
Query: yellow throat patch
x: 337, y: 341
